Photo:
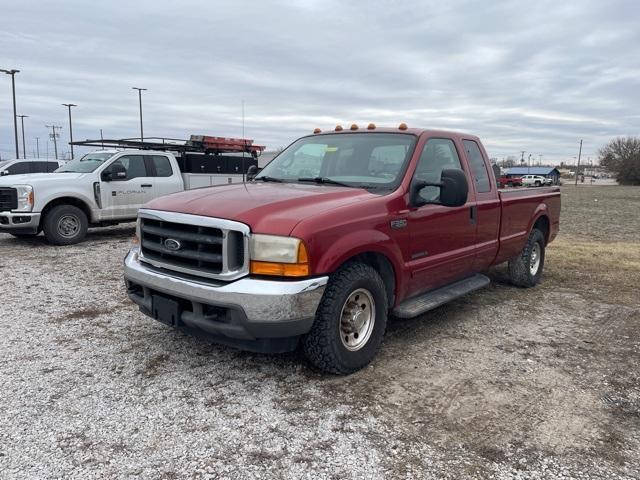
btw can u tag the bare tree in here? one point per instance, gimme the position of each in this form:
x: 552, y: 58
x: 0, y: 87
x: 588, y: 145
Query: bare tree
x: 622, y: 157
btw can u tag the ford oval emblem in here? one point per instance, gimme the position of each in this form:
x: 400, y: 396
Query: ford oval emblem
x: 173, y: 245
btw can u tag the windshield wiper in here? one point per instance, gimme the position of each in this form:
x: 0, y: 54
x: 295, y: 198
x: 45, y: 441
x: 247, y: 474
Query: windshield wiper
x: 267, y: 178
x: 326, y: 180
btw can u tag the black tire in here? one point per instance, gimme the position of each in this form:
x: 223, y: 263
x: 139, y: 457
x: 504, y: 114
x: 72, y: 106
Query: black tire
x: 521, y: 267
x: 324, y: 346
x: 65, y: 225
x: 537, y: 183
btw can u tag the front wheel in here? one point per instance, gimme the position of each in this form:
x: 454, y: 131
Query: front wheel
x: 525, y: 270
x: 65, y: 225
x: 350, y: 321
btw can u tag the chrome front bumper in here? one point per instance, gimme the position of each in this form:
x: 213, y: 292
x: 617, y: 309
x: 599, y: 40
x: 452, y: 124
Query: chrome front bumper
x: 259, y: 308
x: 20, y: 222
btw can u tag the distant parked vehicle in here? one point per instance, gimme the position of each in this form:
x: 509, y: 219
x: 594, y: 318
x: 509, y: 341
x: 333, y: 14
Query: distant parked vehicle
x: 509, y: 182
x: 19, y: 167
x: 535, y: 181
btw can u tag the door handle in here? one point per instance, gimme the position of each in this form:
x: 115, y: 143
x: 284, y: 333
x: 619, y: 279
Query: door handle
x: 146, y: 185
x: 473, y: 214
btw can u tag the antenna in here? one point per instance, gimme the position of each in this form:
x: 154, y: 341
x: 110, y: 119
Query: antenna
x: 244, y: 140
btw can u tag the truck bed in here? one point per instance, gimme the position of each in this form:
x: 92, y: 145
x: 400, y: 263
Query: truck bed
x: 519, y: 207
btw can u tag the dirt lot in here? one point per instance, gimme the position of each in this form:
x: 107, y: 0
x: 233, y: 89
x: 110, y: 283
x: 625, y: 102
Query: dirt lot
x: 506, y: 383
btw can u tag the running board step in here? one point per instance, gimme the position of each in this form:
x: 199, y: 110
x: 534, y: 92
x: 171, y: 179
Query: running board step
x: 414, y: 306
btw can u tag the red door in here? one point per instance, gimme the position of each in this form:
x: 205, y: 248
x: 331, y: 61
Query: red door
x: 442, y: 245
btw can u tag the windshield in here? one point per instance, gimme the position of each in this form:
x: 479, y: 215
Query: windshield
x: 86, y: 164
x: 367, y: 160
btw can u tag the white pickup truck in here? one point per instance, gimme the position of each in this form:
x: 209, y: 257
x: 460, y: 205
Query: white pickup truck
x: 100, y: 189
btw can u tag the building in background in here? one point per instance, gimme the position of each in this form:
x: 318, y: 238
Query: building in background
x: 548, y: 172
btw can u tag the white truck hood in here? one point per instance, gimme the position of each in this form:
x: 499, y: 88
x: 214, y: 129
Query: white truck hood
x: 38, y: 178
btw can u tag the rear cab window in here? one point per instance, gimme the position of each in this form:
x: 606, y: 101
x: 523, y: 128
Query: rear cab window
x: 478, y: 166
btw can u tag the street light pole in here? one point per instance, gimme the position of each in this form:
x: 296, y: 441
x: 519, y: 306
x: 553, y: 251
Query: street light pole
x: 13, y: 72
x: 140, y: 102
x: 24, y: 148
x: 578, y: 167
x: 69, y: 105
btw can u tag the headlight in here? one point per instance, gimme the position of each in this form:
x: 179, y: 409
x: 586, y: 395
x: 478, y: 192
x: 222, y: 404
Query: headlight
x: 278, y: 256
x: 25, y: 198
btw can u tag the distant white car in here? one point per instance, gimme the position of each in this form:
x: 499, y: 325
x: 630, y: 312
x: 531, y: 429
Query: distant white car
x: 535, y: 181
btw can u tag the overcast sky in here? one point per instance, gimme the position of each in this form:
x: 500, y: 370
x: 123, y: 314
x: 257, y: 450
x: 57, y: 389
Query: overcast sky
x: 534, y: 76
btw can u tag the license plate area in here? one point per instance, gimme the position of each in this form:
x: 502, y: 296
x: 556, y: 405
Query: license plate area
x: 166, y: 310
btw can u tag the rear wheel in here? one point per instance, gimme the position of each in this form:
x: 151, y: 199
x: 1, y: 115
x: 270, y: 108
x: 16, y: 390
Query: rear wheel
x: 537, y: 183
x: 525, y: 270
x: 65, y: 225
x: 350, y: 321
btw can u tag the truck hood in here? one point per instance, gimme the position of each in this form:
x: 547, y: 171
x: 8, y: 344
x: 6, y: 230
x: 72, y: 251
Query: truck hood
x: 38, y: 178
x: 265, y: 207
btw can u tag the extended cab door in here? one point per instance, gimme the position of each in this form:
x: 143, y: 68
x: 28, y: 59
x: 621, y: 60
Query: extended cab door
x: 165, y: 179
x: 487, y: 204
x: 442, y: 244
x: 122, y: 197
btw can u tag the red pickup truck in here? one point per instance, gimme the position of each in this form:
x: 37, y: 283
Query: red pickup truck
x: 336, y: 234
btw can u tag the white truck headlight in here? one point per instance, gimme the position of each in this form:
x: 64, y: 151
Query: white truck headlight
x: 25, y: 198
x: 278, y: 256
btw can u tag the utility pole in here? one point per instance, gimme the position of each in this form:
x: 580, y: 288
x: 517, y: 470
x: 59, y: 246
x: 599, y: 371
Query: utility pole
x: 522, y: 158
x: 140, y: 101
x: 13, y: 72
x: 540, y: 160
x: 53, y: 135
x: 578, y: 167
x: 24, y: 148
x: 69, y: 105
x: 38, y: 147
x: 529, y: 165
x: 101, y: 139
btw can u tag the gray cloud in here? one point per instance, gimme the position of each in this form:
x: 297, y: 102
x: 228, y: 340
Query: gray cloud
x: 534, y: 77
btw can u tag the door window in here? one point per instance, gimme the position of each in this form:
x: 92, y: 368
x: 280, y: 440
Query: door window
x: 18, y: 168
x: 38, y: 167
x: 133, y: 164
x: 438, y: 154
x: 161, y: 165
x: 478, y: 167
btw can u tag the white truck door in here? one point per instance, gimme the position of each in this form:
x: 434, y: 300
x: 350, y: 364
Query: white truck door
x: 166, y: 176
x: 122, y: 197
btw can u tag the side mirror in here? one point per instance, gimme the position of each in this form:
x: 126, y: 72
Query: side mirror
x: 3, y: 173
x: 252, y: 171
x: 115, y: 172
x: 453, y: 189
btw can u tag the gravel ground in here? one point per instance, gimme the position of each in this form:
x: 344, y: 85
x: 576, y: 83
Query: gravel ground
x: 505, y: 383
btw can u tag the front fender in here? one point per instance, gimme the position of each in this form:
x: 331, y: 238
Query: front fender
x: 355, y: 243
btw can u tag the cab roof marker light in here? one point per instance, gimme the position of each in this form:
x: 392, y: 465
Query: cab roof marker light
x: 338, y: 128
x: 402, y: 126
x: 354, y: 126
x: 317, y: 130
x: 371, y: 126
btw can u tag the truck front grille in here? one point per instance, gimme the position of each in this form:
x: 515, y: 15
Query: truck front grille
x: 8, y: 199
x: 195, y: 245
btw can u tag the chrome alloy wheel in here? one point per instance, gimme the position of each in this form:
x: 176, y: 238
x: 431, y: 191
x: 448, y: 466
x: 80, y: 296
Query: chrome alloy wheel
x: 534, y: 260
x: 357, y: 319
x: 68, y: 225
